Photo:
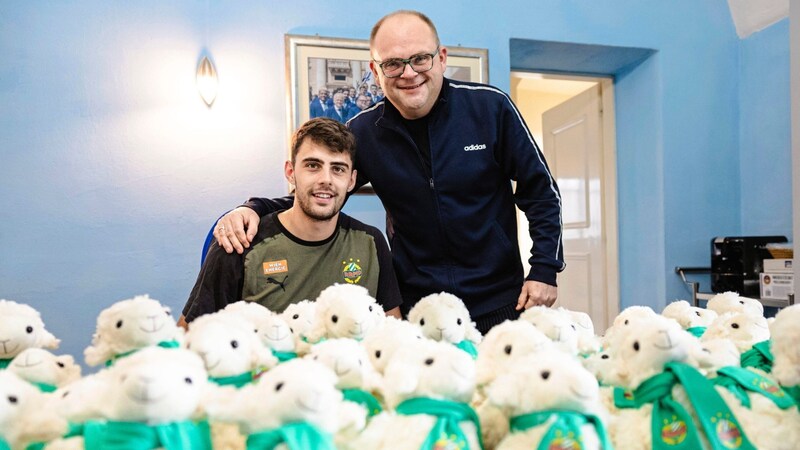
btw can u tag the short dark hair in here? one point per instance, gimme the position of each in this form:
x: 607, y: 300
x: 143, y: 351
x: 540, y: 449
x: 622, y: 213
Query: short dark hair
x: 328, y: 132
x: 409, y: 12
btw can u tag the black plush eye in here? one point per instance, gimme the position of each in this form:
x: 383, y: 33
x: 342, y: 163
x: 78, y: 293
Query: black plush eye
x: 255, y: 330
x: 65, y: 394
x: 370, y: 308
x: 166, y: 311
x: 604, y: 357
x: 377, y: 354
x: 291, y: 329
x: 119, y: 324
x: 697, y: 313
x: 12, y: 399
x: 636, y: 346
x: 422, y: 322
x: 316, y: 357
x: 507, y: 349
x: 429, y: 361
x: 734, y: 325
x: 278, y: 387
x: 334, y: 319
x: 741, y: 302
x: 29, y: 329
x: 626, y: 321
x: 235, y: 344
x: 60, y: 364
x: 296, y: 316
x: 545, y: 374
x: 458, y: 321
x: 187, y: 380
x: 573, y: 327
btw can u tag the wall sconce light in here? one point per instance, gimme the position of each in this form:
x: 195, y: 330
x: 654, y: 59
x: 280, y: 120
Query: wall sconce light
x: 207, y: 81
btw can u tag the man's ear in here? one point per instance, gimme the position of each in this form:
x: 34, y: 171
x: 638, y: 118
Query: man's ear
x: 443, y: 57
x: 288, y: 171
x: 373, y: 66
x: 353, y: 177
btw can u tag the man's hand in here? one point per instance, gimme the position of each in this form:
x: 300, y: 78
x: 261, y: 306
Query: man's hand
x: 230, y: 230
x: 536, y: 293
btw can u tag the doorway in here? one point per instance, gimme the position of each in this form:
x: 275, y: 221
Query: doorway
x: 572, y: 119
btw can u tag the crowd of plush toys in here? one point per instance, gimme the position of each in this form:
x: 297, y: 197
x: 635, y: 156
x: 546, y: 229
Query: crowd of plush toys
x: 337, y: 373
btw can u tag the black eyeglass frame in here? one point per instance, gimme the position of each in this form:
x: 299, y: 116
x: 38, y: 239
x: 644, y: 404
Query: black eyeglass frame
x: 407, y: 61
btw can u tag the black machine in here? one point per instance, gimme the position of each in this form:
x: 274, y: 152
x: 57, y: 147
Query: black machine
x: 736, y: 263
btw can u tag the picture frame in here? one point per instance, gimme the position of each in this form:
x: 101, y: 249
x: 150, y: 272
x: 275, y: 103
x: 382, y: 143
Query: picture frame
x: 315, y: 62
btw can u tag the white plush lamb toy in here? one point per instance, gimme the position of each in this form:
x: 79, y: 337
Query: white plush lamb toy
x: 44, y: 369
x: 21, y: 327
x: 785, y: 337
x: 693, y: 319
x: 428, y: 385
x: 444, y: 317
x: 296, y: 404
x: 344, y: 311
x: 553, y: 403
x: 732, y: 302
x: 348, y: 359
x: 233, y: 354
x: 556, y: 325
x: 743, y: 329
x: 300, y: 317
x: 24, y: 415
x: 625, y: 320
x: 386, y: 338
x: 588, y: 342
x: 130, y: 325
x: 667, y: 394
x: 273, y: 330
x: 500, y: 351
x: 149, y: 399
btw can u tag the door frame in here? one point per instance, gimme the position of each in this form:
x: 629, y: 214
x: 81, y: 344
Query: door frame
x: 609, y: 169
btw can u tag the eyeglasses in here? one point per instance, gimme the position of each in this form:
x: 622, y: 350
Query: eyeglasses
x: 394, y: 67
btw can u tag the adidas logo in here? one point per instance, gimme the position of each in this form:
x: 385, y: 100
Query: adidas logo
x: 473, y: 147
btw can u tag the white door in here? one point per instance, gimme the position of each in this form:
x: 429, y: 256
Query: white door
x: 573, y: 145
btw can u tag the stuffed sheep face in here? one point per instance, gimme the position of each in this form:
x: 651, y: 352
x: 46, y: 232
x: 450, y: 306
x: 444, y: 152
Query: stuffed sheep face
x: 551, y: 379
x: 689, y: 316
x: 602, y: 366
x: 555, y: 324
x: 21, y: 327
x: 504, y: 345
x: 227, y: 344
x: 648, y: 346
x: 155, y: 386
x: 385, y: 339
x: 744, y: 329
x: 626, y: 319
x: 444, y: 317
x: 344, y: 311
x: 24, y: 413
x: 429, y: 369
x: 37, y: 365
x: 300, y: 317
x: 348, y: 360
x: 298, y: 390
x: 129, y: 325
x: 276, y: 333
x: 715, y: 354
x: 732, y: 302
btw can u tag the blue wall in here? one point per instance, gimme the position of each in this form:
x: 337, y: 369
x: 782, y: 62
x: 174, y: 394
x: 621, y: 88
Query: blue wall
x: 112, y: 169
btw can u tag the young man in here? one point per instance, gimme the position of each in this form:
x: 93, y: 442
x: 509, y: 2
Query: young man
x: 306, y: 248
x: 441, y: 155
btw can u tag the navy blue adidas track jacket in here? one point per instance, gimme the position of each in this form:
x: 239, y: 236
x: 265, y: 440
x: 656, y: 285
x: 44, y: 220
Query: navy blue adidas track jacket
x: 455, y: 226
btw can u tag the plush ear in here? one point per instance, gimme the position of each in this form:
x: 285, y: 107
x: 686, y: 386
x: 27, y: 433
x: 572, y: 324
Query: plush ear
x: 48, y: 340
x: 97, y: 353
x: 263, y: 357
x: 503, y: 392
x: 473, y: 334
x: 401, y: 381
x: 318, y: 329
